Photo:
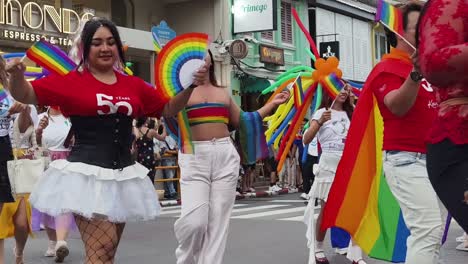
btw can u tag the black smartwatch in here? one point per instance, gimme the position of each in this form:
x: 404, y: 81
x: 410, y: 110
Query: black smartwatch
x: 416, y: 76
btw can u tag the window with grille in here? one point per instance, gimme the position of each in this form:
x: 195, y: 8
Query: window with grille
x: 268, y: 35
x: 286, y: 23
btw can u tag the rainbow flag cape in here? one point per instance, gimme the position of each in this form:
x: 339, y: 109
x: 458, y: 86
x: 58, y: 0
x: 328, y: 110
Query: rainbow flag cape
x: 50, y: 57
x: 390, y: 16
x: 362, y: 203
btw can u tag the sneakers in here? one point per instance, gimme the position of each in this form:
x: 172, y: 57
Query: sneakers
x: 341, y: 251
x: 292, y: 189
x: 50, y: 249
x: 461, y: 239
x: 61, y: 251
x: 275, y: 188
x: 361, y: 261
x: 462, y: 247
x: 320, y: 258
x: 305, y: 196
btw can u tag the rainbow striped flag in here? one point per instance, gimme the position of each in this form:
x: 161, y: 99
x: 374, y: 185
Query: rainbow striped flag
x: 3, y: 93
x: 332, y: 84
x: 298, y: 93
x: 390, y: 16
x: 362, y: 203
x: 50, y: 57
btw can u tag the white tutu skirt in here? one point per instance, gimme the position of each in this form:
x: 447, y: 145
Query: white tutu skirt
x: 96, y: 193
x: 325, y: 175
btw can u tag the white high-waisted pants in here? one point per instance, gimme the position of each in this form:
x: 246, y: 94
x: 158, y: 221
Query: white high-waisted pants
x: 208, y: 189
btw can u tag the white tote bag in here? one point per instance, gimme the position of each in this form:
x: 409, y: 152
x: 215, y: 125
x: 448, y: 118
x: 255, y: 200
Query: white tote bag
x: 24, y: 173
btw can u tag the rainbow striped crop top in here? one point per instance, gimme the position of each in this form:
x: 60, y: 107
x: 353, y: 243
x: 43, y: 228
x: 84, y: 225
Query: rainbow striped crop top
x: 207, y: 113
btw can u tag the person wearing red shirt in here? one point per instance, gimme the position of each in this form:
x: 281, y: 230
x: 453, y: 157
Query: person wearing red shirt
x: 408, y: 107
x: 443, y: 54
x: 99, y: 182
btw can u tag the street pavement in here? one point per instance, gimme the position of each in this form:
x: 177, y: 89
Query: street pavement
x: 263, y: 230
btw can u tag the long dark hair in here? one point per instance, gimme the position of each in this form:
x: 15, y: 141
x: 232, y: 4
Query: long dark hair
x: 421, y: 16
x: 88, y: 32
x: 212, y: 71
x: 406, y: 9
x: 141, y: 121
x: 327, y: 101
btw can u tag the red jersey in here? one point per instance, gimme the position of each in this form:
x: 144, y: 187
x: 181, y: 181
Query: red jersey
x: 442, y: 55
x: 79, y: 93
x: 405, y: 133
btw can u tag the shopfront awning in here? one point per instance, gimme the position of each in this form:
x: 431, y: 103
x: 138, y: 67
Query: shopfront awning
x: 255, y: 85
x: 137, y: 39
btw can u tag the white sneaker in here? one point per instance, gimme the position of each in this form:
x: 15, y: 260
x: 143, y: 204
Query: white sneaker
x: 50, y: 249
x: 305, y: 196
x: 275, y: 188
x: 461, y: 239
x: 462, y: 247
x: 292, y: 189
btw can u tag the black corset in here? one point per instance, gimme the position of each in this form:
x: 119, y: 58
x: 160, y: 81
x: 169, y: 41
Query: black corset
x: 104, y: 141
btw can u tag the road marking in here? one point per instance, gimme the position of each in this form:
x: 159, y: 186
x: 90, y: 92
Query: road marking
x: 270, y: 213
x: 287, y: 201
x: 262, y: 207
x: 176, y: 209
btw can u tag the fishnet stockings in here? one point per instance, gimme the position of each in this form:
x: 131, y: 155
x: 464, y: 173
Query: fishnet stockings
x: 101, y: 239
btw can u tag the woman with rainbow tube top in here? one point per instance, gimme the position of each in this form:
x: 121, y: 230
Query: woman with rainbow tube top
x: 209, y: 174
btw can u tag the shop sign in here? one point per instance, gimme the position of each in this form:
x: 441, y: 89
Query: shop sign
x: 254, y: 15
x: 330, y: 49
x: 271, y: 55
x: 33, y: 20
x: 163, y: 32
x: 238, y: 49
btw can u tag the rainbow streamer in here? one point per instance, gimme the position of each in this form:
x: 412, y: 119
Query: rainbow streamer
x: 185, y: 134
x: 252, y: 137
x: 50, y: 57
x: 332, y: 85
x: 390, y: 16
x: 171, y: 59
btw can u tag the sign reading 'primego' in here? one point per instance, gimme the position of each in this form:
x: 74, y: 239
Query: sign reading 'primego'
x: 254, y: 15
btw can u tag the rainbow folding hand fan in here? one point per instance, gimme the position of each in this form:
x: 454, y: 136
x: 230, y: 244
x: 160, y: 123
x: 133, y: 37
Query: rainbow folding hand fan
x: 178, y: 61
